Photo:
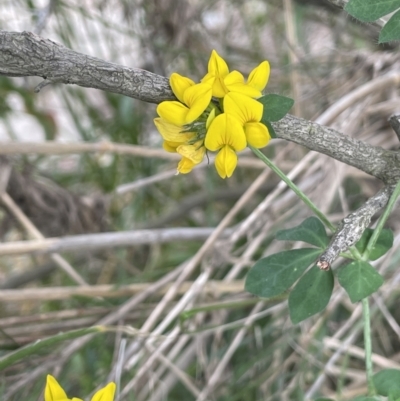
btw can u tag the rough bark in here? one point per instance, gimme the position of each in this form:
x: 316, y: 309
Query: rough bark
x: 26, y: 54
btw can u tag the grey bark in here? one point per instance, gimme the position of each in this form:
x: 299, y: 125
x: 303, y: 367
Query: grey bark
x: 351, y: 228
x: 26, y: 54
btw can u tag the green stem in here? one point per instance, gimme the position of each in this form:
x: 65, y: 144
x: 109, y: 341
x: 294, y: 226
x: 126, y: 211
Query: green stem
x: 381, y: 222
x: 46, y: 343
x: 294, y: 187
x: 368, y: 347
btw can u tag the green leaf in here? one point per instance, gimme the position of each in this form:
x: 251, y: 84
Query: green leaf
x: 359, y: 279
x: 274, y: 274
x: 310, y: 230
x: 391, y: 30
x: 387, y: 381
x: 382, y: 245
x: 311, y: 294
x: 270, y: 129
x: 275, y: 107
x: 371, y: 10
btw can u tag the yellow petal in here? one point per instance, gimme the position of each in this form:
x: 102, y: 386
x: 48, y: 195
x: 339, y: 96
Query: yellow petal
x: 234, y: 78
x: 244, y: 108
x: 197, y: 98
x: 171, y: 132
x: 258, y: 78
x: 217, y: 65
x: 170, y: 146
x: 225, y: 130
x: 226, y: 162
x: 257, y: 134
x: 194, y: 152
x: 106, y: 393
x: 174, y: 112
x: 53, y: 391
x: 179, y: 84
x: 234, y: 82
x: 185, y: 166
x: 210, y: 117
x: 209, y: 79
x: 217, y: 71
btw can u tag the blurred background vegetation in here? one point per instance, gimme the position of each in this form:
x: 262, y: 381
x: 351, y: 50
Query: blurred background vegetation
x: 317, y: 54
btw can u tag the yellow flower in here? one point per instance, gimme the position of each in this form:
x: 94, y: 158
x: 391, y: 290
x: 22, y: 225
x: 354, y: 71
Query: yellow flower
x: 181, y: 142
x: 172, y: 134
x: 224, y: 81
x: 249, y: 113
x: 256, y: 82
x: 217, y: 71
x: 193, y: 100
x: 258, y: 78
x: 54, y: 392
x: 225, y: 134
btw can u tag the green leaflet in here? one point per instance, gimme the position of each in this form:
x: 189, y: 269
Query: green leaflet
x: 371, y: 10
x: 359, y: 279
x: 310, y: 230
x: 382, y: 245
x: 311, y: 294
x: 275, y: 107
x: 273, y: 275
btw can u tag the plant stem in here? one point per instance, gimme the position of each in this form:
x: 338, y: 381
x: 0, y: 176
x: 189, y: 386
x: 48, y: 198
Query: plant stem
x: 46, y: 343
x: 294, y: 187
x: 368, y: 347
x: 381, y: 222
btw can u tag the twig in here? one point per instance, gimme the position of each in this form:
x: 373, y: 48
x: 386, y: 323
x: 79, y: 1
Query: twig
x: 59, y: 148
x: 352, y: 227
x: 90, y: 242
x: 26, y: 54
x: 110, y: 291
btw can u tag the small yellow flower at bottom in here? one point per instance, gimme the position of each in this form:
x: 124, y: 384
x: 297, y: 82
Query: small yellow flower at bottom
x: 54, y: 392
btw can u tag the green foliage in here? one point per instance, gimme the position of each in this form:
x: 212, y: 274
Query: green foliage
x: 359, y: 279
x: 382, y: 245
x: 275, y: 107
x: 311, y: 294
x: 371, y: 10
x: 270, y: 129
x: 273, y: 275
x: 391, y: 30
x: 387, y: 383
x: 310, y: 230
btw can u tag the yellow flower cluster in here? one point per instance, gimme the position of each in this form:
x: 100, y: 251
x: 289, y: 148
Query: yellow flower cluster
x: 218, y: 114
x: 54, y: 392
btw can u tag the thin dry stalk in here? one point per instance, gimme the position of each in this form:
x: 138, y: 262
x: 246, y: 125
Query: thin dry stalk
x: 110, y: 291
